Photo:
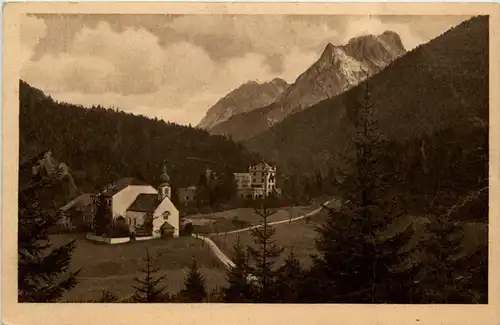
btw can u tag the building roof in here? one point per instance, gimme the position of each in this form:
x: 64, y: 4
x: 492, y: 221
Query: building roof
x: 123, y: 183
x: 262, y: 165
x: 145, y: 203
x: 189, y: 188
x: 78, y: 202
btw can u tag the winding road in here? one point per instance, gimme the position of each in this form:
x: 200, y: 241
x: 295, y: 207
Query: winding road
x: 216, y: 250
x: 226, y: 260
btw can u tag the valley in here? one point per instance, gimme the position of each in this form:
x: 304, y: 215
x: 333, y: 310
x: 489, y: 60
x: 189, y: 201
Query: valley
x: 365, y: 180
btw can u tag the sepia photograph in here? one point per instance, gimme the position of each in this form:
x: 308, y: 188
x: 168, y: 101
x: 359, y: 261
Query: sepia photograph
x: 239, y: 158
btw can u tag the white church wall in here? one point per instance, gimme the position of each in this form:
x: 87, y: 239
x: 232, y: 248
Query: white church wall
x: 172, y: 219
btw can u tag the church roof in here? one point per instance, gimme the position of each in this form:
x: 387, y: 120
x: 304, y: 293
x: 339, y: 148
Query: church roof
x: 145, y: 203
x: 123, y: 183
x: 164, y: 175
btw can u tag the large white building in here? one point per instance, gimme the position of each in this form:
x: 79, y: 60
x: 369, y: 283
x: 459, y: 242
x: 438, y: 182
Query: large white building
x: 131, y: 202
x: 259, y: 181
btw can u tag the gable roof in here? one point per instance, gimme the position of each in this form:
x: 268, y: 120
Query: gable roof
x: 123, y: 183
x: 78, y: 202
x: 261, y: 166
x: 145, y: 203
x: 189, y: 188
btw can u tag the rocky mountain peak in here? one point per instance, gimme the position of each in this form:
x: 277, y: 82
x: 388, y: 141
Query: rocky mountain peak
x: 247, y: 97
x: 339, y: 68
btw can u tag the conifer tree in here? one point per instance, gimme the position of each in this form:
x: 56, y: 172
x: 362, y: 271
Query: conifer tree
x: 289, y: 279
x: 102, y: 215
x: 438, y: 282
x: 307, y: 189
x: 331, y: 181
x: 239, y: 288
x: 264, y: 256
x: 318, y: 183
x: 43, y: 271
x: 474, y: 283
x: 148, y: 288
x: 354, y: 264
x: 194, y: 285
x: 202, y: 194
x: 108, y: 297
x: 216, y: 295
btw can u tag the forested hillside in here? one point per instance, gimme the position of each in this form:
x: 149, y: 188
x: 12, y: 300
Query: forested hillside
x: 100, y: 145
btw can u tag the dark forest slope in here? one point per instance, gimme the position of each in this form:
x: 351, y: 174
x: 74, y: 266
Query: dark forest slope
x: 100, y: 145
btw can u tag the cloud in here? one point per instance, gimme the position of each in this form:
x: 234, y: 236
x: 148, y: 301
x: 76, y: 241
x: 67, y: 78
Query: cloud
x: 32, y: 30
x: 130, y: 70
x: 269, y: 35
x: 178, y: 67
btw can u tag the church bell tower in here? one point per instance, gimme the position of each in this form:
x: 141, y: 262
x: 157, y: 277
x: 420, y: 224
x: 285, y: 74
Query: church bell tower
x: 164, y: 189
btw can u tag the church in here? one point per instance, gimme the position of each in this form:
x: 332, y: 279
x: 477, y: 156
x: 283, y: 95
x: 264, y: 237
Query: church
x: 131, y: 202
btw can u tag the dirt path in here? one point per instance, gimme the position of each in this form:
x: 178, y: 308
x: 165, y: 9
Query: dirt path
x: 310, y: 214
x: 226, y: 260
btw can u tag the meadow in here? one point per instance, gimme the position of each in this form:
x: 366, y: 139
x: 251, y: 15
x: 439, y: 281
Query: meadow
x: 114, y: 267
x: 300, y: 236
x: 233, y: 219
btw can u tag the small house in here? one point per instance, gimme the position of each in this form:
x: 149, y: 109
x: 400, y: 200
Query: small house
x: 187, y: 195
x: 76, y: 213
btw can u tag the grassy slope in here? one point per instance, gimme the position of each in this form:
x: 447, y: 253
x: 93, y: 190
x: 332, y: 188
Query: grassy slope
x: 114, y: 267
x: 223, y: 221
x: 300, y: 236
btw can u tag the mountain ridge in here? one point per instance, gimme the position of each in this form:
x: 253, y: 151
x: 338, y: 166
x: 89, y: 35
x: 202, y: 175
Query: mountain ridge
x: 337, y: 69
x: 438, y: 85
x: 248, y: 96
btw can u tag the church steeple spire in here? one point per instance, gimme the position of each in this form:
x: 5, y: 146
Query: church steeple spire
x: 164, y: 175
x: 164, y: 189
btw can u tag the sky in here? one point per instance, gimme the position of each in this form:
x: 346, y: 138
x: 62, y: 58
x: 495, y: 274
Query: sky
x: 175, y: 67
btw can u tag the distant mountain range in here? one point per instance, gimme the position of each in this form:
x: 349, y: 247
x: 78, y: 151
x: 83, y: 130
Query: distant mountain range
x: 338, y: 69
x: 245, y: 98
x: 440, y: 85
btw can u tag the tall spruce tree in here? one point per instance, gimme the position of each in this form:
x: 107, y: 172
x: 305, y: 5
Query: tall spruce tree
x: 307, y: 189
x: 264, y: 257
x: 318, y: 183
x: 239, y: 288
x: 102, y: 215
x: 354, y: 265
x: 438, y: 282
x: 43, y: 271
x: 474, y: 283
x: 148, y: 288
x: 194, y: 285
x: 290, y: 279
